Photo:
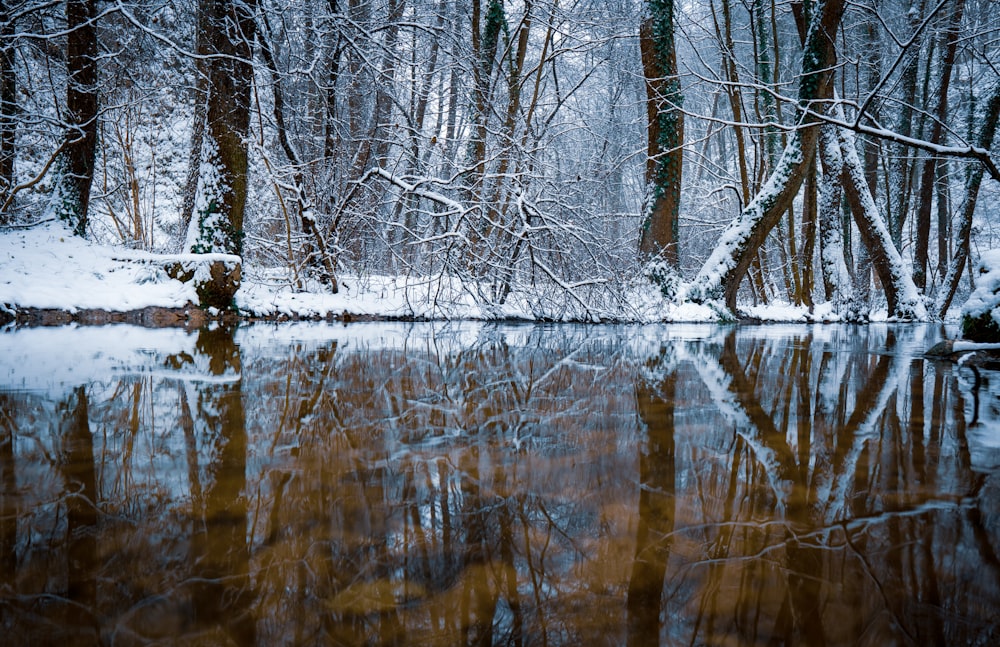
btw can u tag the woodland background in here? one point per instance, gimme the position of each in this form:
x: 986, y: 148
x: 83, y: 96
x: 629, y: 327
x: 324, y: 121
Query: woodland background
x: 547, y: 147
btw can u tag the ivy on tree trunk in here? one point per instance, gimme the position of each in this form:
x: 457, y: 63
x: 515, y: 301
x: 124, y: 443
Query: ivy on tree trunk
x: 665, y: 124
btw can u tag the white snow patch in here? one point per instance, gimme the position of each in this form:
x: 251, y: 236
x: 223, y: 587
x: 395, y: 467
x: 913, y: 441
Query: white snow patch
x: 986, y: 297
x: 49, y: 267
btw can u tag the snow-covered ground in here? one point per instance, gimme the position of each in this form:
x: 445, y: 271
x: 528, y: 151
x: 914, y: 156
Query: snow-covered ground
x: 47, y: 267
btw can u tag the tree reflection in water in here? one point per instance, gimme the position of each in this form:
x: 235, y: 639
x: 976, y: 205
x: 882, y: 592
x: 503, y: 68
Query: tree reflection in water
x: 504, y: 485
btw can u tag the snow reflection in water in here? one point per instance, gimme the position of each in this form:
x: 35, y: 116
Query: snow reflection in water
x: 474, y: 484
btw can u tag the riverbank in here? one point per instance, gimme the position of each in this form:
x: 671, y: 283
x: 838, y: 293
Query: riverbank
x: 49, y: 277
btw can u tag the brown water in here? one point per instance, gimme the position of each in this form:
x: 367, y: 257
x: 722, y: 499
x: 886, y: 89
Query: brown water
x: 518, y: 485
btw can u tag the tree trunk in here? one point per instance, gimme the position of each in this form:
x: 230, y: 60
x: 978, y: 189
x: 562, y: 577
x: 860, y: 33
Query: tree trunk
x: 330, y: 99
x: 8, y: 108
x: 943, y: 216
x: 725, y: 268
x: 665, y: 131
x: 217, y: 221
x: 199, y: 95
x: 732, y: 89
x: 837, y: 279
x: 902, y: 170
x: 901, y: 294
x: 929, y: 170
x: 484, y: 48
x: 318, y: 258
x: 75, y: 166
x: 375, y: 145
x: 987, y: 132
x: 809, y: 216
x: 485, y: 40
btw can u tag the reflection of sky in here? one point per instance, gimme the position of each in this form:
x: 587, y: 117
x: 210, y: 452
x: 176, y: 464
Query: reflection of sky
x: 54, y: 361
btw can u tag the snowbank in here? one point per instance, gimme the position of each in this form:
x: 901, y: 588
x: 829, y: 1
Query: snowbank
x: 49, y: 267
x: 981, y: 312
x: 46, y: 267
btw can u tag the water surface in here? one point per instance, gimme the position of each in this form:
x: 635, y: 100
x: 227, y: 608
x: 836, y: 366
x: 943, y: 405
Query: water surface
x: 513, y: 485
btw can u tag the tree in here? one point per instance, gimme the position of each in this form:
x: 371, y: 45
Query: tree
x: 220, y: 200
x: 665, y: 128
x: 722, y: 273
x: 8, y: 104
x: 75, y: 164
x: 929, y: 170
x: 963, y: 233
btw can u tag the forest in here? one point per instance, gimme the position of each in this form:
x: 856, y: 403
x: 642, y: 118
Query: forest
x: 569, y: 153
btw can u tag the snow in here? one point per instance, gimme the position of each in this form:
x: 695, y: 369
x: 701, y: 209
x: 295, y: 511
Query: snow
x: 985, y: 298
x: 47, y: 266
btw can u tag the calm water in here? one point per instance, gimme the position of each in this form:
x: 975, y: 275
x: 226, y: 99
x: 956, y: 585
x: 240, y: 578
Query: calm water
x: 513, y: 485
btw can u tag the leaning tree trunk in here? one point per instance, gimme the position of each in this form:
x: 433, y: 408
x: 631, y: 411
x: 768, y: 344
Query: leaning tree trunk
x: 901, y: 294
x: 837, y: 280
x: 220, y: 201
x: 660, y: 236
x: 986, y: 134
x: 722, y: 273
x: 75, y: 164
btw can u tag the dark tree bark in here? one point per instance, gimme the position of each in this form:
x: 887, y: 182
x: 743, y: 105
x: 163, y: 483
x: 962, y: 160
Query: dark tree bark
x: 659, y: 237
x: 928, y: 171
x: 485, y: 39
x: 987, y: 132
x: 8, y: 106
x: 75, y: 166
x: 217, y: 221
x: 810, y: 209
x: 903, y: 171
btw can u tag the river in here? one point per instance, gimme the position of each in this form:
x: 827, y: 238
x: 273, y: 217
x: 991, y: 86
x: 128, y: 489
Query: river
x: 468, y: 483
